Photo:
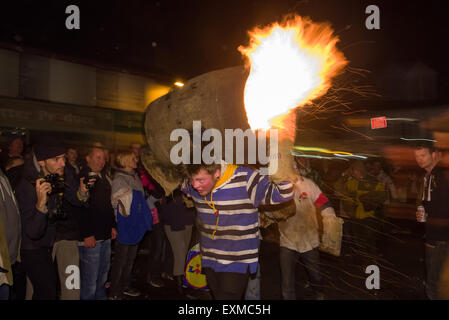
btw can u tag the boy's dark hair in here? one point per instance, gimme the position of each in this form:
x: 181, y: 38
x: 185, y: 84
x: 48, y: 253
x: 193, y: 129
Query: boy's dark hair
x: 193, y: 168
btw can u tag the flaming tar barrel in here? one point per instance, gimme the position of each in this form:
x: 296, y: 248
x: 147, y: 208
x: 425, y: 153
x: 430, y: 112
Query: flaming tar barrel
x: 214, y: 98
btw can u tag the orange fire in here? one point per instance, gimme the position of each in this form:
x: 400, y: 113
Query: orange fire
x: 291, y: 64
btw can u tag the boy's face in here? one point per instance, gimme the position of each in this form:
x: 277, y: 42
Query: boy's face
x: 204, y: 182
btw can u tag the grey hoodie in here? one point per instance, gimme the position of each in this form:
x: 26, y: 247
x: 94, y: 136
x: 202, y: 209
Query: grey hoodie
x: 9, y: 213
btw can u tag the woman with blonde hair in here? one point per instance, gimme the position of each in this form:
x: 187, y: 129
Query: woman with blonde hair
x: 133, y: 220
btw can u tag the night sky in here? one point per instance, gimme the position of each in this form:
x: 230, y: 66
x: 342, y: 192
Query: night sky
x: 187, y: 38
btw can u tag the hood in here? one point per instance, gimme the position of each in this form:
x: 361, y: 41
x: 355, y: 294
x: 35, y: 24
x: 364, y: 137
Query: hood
x: 30, y: 171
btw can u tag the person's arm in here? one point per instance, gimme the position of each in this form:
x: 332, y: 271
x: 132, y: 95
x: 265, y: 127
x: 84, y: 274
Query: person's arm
x: 121, y: 196
x: 186, y: 187
x: 33, y: 214
x: 119, y: 189
x: 120, y: 183
x: 317, y: 197
x: 86, y: 225
x: 76, y: 192
x: 262, y: 191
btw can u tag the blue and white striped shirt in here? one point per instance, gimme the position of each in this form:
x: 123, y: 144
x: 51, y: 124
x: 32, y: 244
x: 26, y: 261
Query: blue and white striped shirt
x: 234, y: 246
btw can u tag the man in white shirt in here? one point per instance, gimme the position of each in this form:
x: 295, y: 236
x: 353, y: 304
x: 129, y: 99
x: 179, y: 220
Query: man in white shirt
x: 299, y: 238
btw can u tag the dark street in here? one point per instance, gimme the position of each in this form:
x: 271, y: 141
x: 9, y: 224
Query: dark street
x: 400, y: 259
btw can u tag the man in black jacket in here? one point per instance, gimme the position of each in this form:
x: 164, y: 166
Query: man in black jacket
x: 40, y: 213
x: 97, y: 228
x: 65, y: 248
x: 433, y: 197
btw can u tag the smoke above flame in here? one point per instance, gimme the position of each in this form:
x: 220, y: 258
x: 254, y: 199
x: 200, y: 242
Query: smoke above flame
x: 291, y: 63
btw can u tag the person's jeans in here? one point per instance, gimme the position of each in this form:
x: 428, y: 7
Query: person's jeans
x: 289, y: 258
x: 94, y: 267
x: 4, y: 292
x: 121, y: 267
x: 435, y: 259
x: 253, y: 288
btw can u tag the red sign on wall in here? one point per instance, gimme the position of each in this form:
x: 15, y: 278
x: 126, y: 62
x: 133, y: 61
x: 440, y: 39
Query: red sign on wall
x: 380, y: 122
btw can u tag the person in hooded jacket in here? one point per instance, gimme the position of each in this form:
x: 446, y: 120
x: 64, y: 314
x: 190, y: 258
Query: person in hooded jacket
x: 133, y: 219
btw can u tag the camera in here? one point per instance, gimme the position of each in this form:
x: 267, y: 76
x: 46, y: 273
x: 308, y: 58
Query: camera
x: 56, y: 181
x: 90, y: 176
x: 57, y: 188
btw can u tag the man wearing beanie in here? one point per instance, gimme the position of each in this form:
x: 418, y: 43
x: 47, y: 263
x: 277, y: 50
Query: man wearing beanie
x: 38, y: 207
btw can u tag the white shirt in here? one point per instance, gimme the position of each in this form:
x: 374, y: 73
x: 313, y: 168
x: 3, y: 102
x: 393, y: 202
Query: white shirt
x: 300, y: 232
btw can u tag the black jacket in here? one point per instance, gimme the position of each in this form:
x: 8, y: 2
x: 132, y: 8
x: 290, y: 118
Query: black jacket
x: 68, y: 228
x: 38, y: 230
x: 14, y: 175
x: 175, y: 213
x: 437, y: 225
x: 97, y: 219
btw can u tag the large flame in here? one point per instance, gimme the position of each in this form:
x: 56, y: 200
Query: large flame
x: 291, y: 64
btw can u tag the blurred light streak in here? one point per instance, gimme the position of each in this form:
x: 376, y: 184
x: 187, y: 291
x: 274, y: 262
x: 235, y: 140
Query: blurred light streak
x: 316, y: 157
x: 320, y: 150
x: 351, y: 156
x: 429, y: 140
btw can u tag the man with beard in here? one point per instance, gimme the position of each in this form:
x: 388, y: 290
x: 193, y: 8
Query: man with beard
x: 40, y: 209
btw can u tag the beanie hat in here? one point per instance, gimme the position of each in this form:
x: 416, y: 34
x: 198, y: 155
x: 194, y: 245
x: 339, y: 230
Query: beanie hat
x: 47, y: 148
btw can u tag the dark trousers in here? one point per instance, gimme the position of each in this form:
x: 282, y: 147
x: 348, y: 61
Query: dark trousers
x: 39, y: 267
x: 226, y: 285
x: 122, y: 265
x: 289, y: 259
x: 435, y: 258
x: 18, y: 290
x: 159, y: 259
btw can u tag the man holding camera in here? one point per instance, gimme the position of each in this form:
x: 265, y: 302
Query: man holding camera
x: 40, y: 193
x: 97, y: 229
